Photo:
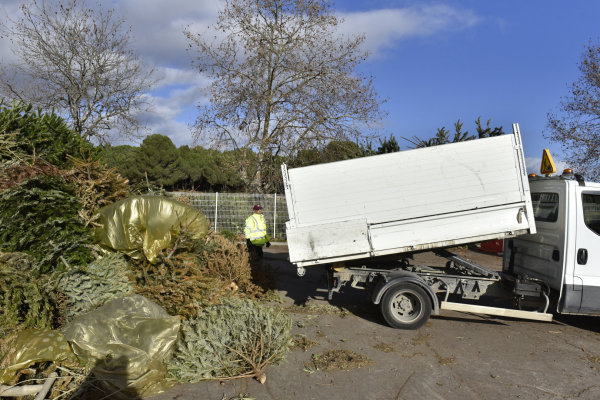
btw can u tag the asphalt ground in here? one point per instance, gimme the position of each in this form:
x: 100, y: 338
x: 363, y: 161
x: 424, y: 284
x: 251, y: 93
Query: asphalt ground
x: 454, y: 356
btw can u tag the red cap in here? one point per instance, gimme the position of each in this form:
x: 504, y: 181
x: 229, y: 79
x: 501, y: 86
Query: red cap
x: 257, y: 207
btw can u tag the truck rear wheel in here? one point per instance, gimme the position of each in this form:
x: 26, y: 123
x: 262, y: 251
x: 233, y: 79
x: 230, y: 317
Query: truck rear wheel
x: 406, y: 306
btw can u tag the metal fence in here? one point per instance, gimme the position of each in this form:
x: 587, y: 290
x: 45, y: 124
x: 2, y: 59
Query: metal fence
x: 228, y: 211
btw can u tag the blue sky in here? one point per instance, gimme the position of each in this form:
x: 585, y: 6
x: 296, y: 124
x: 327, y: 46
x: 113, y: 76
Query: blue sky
x: 512, y: 64
x: 435, y: 62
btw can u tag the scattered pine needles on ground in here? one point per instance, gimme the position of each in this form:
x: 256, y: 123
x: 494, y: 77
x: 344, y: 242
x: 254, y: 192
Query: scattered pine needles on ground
x: 318, y: 309
x: 386, y: 348
x: 421, y: 339
x: 303, y: 343
x: 340, y: 360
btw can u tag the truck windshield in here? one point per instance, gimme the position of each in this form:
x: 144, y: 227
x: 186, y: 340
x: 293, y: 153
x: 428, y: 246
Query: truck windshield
x: 545, y: 207
x: 591, y: 211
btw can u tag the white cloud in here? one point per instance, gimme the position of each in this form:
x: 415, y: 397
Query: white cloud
x: 533, y: 165
x: 157, y: 27
x: 169, y: 111
x: 177, y: 101
x: 179, y: 132
x: 9, y: 9
x: 384, y: 28
x: 179, y: 76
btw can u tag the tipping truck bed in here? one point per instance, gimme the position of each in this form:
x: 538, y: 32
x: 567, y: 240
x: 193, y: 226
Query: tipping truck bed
x: 408, y: 201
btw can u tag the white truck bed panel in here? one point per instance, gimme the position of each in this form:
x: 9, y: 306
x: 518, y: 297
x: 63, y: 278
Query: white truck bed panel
x: 329, y: 240
x: 466, y: 181
x: 420, y: 234
x: 411, y: 199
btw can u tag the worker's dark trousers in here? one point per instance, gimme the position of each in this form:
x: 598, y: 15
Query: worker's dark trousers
x: 258, y: 250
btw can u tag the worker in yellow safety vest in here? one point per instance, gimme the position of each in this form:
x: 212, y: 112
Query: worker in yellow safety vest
x: 256, y: 232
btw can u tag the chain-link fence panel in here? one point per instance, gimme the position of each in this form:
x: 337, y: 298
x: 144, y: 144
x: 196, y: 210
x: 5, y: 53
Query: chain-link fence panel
x: 228, y: 211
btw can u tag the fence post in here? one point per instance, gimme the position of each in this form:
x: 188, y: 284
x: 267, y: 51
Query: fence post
x: 275, y: 217
x: 216, y: 209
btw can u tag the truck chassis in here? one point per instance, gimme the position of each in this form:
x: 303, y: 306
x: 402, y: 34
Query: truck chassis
x: 408, y: 294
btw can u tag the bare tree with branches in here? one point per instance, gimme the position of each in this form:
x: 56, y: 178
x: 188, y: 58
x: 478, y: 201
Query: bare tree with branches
x: 577, y: 128
x: 80, y: 62
x: 283, y: 81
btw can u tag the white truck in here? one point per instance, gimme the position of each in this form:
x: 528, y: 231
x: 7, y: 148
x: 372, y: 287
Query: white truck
x: 364, y: 218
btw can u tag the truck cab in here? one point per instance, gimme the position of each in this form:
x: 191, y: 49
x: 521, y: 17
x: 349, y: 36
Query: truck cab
x: 565, y: 250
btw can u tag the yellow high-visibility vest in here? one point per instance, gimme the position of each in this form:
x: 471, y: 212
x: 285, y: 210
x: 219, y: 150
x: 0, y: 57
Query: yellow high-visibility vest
x: 256, y: 229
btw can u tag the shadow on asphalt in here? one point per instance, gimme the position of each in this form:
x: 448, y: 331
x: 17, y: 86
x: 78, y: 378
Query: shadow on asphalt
x: 473, y: 319
x: 586, y: 322
x: 313, y: 285
x: 362, y: 309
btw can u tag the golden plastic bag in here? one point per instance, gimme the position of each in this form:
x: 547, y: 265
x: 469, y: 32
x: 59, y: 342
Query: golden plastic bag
x: 125, y: 342
x: 146, y: 224
x: 33, y: 346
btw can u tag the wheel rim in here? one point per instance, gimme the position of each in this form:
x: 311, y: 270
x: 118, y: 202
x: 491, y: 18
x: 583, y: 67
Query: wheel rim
x: 406, y: 306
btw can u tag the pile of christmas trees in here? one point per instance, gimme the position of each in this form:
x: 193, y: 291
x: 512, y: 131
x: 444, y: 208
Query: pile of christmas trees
x: 52, y: 185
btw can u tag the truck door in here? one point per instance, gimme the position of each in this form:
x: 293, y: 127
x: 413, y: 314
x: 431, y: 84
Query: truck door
x: 587, y: 248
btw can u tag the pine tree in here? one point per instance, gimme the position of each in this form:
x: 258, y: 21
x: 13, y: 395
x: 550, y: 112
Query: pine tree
x: 236, y: 339
x: 487, y: 132
x: 39, y: 217
x: 41, y: 135
x: 23, y: 301
x: 388, y: 146
x: 160, y: 159
x: 443, y: 136
x: 200, y: 169
x: 92, y: 286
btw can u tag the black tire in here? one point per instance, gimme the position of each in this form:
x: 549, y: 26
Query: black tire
x: 406, y: 306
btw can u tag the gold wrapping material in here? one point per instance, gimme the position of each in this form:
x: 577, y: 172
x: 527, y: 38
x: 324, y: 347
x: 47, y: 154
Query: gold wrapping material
x: 147, y: 224
x: 125, y: 342
x: 33, y: 346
